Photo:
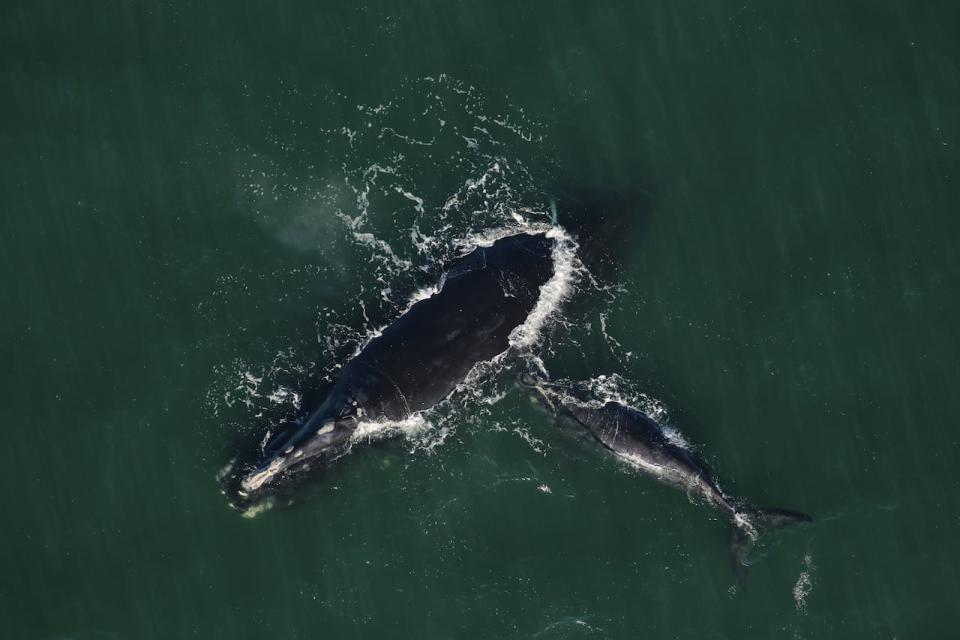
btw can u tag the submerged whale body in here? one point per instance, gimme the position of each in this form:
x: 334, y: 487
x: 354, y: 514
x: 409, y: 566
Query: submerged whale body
x: 639, y: 440
x: 420, y: 358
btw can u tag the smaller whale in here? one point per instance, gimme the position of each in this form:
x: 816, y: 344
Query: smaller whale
x: 638, y: 439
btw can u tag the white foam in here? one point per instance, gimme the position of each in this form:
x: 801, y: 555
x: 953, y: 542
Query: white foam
x: 387, y: 251
x: 409, y: 139
x: 535, y: 443
x: 479, y: 183
x: 553, y: 293
x: 509, y: 126
x: 603, y: 329
x: 674, y: 437
x: 487, y: 237
x: 282, y: 395
x: 423, y: 243
x: 615, y: 388
x: 743, y: 522
x: 421, y: 433
x: 369, y: 431
x: 423, y: 294
x: 417, y: 202
x: 804, y: 585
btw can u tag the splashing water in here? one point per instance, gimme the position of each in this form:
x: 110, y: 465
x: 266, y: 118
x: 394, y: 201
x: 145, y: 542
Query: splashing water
x: 380, y: 220
x: 804, y: 585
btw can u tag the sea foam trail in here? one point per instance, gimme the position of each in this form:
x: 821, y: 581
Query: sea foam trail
x: 804, y: 585
x: 552, y: 294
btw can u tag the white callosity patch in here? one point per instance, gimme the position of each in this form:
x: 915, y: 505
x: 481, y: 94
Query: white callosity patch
x: 327, y: 428
x: 254, y: 481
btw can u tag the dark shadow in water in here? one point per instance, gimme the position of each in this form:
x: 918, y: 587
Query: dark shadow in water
x: 606, y: 223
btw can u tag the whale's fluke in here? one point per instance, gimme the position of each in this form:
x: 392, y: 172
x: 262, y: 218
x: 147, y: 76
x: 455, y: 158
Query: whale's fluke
x: 746, y: 527
x: 638, y: 439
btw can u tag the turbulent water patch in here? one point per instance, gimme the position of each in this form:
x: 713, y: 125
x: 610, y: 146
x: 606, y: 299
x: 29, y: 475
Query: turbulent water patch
x: 391, y: 195
x: 804, y: 585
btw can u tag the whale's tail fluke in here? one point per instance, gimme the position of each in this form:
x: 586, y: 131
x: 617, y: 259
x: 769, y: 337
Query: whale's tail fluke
x: 747, y: 525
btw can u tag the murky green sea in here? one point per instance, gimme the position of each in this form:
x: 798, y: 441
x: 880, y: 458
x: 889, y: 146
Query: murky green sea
x: 205, y: 207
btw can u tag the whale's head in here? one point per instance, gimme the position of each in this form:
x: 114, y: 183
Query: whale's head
x: 559, y: 400
x: 324, y: 435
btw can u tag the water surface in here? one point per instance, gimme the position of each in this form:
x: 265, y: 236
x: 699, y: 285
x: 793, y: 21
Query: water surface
x: 195, y: 201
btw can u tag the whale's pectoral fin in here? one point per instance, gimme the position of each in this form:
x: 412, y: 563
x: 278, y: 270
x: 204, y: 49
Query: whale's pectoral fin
x: 745, y: 530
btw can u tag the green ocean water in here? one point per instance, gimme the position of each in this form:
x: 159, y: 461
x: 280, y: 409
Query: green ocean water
x: 179, y: 182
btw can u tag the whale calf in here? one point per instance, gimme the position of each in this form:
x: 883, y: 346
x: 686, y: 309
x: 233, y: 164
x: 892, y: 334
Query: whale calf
x: 639, y: 440
x: 482, y: 300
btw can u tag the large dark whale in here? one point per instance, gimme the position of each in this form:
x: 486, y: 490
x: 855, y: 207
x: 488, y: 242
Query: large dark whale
x: 483, y: 299
x: 638, y: 439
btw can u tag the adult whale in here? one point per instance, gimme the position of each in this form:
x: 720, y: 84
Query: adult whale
x: 638, y: 439
x: 484, y: 303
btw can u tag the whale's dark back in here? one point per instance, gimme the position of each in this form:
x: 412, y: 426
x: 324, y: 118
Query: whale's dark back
x: 422, y: 356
